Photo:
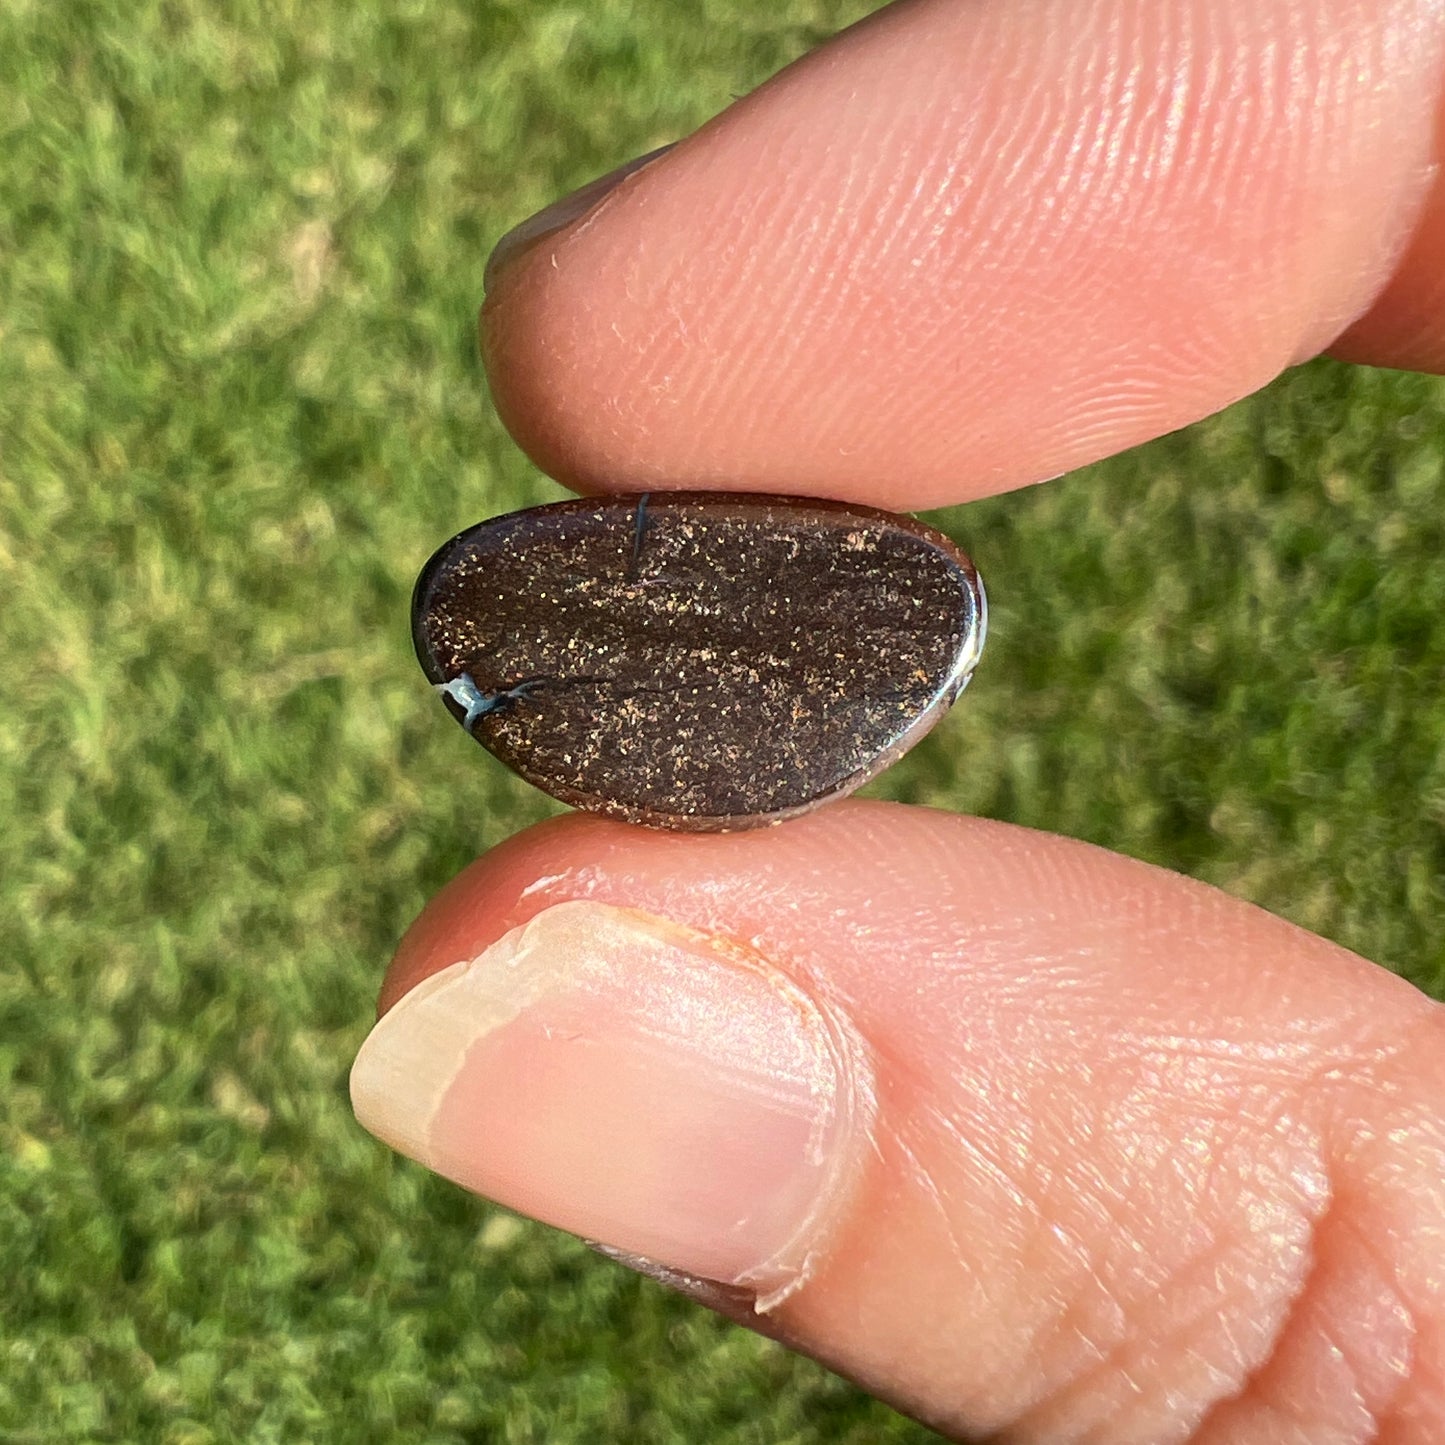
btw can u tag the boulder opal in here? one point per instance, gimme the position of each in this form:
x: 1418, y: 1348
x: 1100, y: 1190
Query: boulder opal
x: 698, y: 660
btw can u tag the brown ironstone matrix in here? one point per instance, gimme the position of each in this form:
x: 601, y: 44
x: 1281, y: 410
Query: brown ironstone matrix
x: 698, y: 660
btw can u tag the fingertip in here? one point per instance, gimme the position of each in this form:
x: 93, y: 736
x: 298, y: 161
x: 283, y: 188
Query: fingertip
x: 957, y: 250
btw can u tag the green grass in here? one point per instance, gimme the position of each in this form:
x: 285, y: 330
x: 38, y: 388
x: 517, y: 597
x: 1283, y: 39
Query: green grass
x: 240, y: 256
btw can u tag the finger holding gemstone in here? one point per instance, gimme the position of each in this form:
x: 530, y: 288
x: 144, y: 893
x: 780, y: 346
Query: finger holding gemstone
x: 699, y: 661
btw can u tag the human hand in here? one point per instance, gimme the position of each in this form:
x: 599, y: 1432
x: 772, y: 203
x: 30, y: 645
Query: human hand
x: 1031, y: 1140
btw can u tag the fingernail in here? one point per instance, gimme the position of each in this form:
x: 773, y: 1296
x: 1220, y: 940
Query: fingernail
x: 559, y: 215
x: 669, y: 1094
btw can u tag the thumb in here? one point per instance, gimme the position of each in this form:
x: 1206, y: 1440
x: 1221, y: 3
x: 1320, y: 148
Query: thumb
x: 1023, y: 1136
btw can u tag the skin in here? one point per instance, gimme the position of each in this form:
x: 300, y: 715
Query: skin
x: 1145, y: 1164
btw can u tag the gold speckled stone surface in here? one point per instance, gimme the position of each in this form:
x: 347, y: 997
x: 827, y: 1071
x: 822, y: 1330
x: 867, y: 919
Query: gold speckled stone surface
x: 698, y: 660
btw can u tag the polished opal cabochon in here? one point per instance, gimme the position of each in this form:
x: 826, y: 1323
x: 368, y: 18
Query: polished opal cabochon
x: 700, y: 661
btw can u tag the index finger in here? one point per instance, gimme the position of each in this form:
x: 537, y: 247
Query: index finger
x: 964, y: 247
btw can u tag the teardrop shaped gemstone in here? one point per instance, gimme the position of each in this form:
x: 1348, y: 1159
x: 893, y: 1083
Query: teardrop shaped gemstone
x: 698, y: 660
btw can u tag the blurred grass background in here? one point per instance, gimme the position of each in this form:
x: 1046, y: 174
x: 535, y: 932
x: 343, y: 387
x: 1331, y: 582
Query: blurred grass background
x: 241, y: 248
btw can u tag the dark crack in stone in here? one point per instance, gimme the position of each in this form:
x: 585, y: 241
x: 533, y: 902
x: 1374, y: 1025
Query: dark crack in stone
x: 696, y: 660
